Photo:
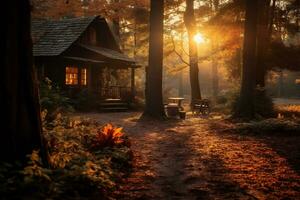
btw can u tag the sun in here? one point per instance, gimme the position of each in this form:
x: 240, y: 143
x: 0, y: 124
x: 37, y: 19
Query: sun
x: 199, y: 38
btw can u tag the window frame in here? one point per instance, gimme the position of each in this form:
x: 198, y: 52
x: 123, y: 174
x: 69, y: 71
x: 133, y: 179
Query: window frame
x: 79, y: 76
x: 71, y: 74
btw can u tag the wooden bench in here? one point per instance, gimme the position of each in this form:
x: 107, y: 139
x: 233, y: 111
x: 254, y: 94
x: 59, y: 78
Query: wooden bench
x: 201, y: 106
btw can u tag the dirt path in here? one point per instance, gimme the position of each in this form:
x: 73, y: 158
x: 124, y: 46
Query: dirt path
x: 195, y: 159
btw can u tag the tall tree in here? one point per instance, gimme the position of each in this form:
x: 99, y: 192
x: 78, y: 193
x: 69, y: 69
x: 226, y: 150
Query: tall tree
x: 245, y: 107
x: 215, y: 76
x: 263, y: 40
x: 21, y: 122
x: 154, y: 99
x: 190, y: 24
x: 46, y: 9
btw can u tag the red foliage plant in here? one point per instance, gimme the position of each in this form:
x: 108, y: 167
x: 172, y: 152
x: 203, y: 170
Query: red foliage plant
x: 108, y: 136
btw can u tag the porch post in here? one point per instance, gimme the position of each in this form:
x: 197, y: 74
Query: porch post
x: 132, y: 84
x: 89, y: 79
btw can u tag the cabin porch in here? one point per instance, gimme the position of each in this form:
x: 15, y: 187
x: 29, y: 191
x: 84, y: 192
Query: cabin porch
x: 113, y: 83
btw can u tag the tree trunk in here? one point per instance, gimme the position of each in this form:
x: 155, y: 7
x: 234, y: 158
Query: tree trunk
x: 21, y: 122
x: 154, y: 99
x: 263, y: 39
x: 180, y: 84
x: 215, y: 78
x: 245, y: 105
x: 189, y: 21
x: 215, y: 73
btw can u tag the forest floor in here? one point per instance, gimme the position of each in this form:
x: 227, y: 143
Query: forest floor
x: 200, y: 158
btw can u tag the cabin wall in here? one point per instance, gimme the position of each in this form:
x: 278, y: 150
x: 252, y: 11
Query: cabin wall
x: 52, y: 69
x: 55, y: 70
x: 95, y: 79
x: 99, y: 34
x: 99, y: 79
x: 102, y: 77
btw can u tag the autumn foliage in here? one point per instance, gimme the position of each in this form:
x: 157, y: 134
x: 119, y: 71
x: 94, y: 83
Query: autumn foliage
x: 108, y: 136
x: 86, y: 161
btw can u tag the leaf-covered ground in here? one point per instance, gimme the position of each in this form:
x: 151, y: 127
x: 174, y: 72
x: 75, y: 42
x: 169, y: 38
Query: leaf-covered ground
x: 202, y: 159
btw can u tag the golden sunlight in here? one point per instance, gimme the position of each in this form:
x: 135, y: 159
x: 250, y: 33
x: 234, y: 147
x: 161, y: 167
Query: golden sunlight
x: 199, y: 38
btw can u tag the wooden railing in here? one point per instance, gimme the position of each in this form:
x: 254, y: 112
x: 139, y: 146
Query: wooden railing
x: 116, y: 92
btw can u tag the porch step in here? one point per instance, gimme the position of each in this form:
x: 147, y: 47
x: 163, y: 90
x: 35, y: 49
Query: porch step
x: 115, y: 109
x: 113, y: 105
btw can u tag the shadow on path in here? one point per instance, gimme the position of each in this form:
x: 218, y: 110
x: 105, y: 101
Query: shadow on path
x: 172, y: 162
x: 196, y: 159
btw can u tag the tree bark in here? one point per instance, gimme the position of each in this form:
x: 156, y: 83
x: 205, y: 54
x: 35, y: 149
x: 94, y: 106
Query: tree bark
x: 245, y: 105
x: 180, y: 84
x: 154, y: 99
x: 21, y: 123
x: 263, y: 40
x: 215, y: 73
x: 215, y: 78
x: 189, y: 21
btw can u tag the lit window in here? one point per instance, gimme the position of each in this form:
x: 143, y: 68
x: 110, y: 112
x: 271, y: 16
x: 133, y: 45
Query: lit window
x: 71, y: 76
x: 83, y: 76
x: 297, y: 81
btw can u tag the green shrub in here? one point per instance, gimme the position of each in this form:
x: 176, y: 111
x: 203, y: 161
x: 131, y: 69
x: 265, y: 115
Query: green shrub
x: 273, y: 126
x: 53, y: 99
x: 224, y: 103
x: 221, y: 100
x: 77, y: 170
x: 84, y: 101
x: 263, y: 104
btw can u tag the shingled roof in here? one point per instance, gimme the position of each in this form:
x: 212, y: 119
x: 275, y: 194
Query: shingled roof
x: 108, y: 53
x: 51, y: 38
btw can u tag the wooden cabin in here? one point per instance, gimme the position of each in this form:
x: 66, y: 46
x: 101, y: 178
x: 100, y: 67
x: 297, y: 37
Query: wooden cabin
x: 83, y: 54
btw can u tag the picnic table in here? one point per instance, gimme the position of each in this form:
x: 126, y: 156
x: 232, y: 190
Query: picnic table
x: 174, y: 108
x: 177, y: 101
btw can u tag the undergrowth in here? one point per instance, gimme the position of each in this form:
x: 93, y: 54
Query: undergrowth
x: 263, y: 106
x: 86, y: 160
x: 270, y: 126
x: 289, y: 111
x: 53, y: 99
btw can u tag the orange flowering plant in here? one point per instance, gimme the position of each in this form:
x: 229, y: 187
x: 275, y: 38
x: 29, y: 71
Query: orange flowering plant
x: 108, y: 136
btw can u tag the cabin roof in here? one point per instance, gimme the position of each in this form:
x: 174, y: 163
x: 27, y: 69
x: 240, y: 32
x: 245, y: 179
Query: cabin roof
x: 86, y: 60
x: 51, y: 38
x: 108, y: 53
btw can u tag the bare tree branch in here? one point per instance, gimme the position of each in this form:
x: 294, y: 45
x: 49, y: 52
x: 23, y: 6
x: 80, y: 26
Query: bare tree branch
x: 177, y: 53
x: 212, y: 53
